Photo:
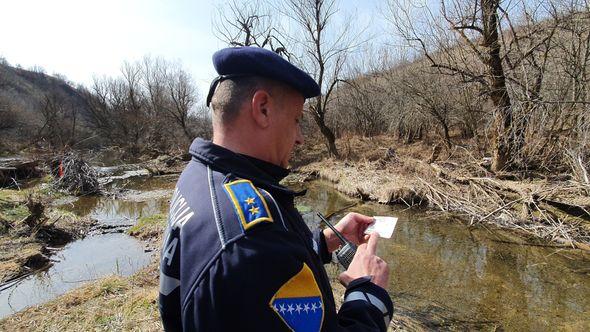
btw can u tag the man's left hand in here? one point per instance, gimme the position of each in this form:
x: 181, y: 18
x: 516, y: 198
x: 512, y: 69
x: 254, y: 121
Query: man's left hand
x: 352, y: 227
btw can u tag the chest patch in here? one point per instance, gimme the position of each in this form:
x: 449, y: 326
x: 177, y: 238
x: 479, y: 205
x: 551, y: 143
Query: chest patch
x: 249, y: 204
x: 299, y: 302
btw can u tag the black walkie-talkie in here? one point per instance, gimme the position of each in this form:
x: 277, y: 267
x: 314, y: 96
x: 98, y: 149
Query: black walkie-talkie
x: 348, y: 249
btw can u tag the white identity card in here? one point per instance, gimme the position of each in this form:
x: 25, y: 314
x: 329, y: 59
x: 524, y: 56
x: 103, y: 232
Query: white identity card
x: 384, y: 226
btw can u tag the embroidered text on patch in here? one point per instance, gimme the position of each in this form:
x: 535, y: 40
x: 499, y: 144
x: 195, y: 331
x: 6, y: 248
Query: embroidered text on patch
x: 299, y: 302
x: 249, y: 204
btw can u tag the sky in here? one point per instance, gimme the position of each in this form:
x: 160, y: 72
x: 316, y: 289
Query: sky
x: 85, y: 38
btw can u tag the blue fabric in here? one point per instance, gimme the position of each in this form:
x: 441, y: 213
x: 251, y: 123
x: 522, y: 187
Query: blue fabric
x: 249, y: 205
x: 300, y: 313
x: 224, y: 279
x: 258, y: 61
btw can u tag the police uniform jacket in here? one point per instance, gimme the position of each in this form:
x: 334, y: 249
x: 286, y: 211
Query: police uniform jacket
x: 237, y: 256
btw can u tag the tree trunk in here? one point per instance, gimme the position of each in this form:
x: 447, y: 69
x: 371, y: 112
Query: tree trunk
x: 504, y: 144
x: 318, y: 110
x: 328, y: 135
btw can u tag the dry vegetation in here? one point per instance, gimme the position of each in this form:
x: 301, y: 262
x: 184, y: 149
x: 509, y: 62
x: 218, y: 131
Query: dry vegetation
x: 552, y: 208
x: 28, y: 228
x: 111, y: 304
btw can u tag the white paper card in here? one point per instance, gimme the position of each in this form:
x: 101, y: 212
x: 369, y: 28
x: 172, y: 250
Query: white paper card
x: 384, y: 226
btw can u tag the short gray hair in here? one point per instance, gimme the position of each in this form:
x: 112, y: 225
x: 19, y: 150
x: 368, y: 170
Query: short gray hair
x: 231, y: 93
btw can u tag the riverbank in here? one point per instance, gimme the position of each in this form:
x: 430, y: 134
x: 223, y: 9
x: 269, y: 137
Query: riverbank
x: 129, y: 303
x: 34, y: 218
x: 111, y: 303
x: 31, y: 228
x: 545, y: 209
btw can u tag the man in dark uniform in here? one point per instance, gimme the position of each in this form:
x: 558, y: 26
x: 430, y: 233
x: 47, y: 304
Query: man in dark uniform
x: 237, y: 255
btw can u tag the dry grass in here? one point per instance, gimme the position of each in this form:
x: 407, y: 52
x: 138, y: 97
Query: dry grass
x: 552, y: 209
x: 373, y: 169
x: 110, y: 304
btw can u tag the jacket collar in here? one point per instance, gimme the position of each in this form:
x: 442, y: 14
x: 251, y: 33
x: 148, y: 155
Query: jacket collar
x: 260, y: 172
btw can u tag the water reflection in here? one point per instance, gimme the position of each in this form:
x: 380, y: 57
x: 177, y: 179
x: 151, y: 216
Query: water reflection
x: 79, y: 262
x: 116, y: 211
x: 451, y: 277
x: 95, y: 256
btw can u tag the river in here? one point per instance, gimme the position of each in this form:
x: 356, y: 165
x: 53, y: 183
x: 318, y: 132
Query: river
x: 447, y: 275
x: 106, y: 251
x: 444, y: 274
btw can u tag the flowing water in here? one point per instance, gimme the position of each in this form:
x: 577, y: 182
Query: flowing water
x: 445, y: 275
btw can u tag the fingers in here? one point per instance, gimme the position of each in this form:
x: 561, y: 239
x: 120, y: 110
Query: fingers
x: 372, y: 244
x: 361, y: 234
x: 361, y: 218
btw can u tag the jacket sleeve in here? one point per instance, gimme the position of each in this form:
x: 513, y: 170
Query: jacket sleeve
x: 320, y: 240
x: 366, y: 302
x: 261, y: 282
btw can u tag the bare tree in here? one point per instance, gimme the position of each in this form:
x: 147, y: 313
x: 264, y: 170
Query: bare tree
x: 362, y: 98
x: 151, y: 107
x: 479, y: 50
x: 249, y: 23
x: 428, y: 93
x: 60, y: 121
x: 323, y: 45
x: 183, y: 96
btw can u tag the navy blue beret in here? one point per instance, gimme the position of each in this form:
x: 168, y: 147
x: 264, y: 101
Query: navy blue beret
x: 255, y: 61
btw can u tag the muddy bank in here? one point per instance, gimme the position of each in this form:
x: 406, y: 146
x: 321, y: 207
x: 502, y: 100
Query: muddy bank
x: 545, y: 209
x: 107, y: 251
x: 110, y: 303
x: 31, y: 229
x: 38, y: 222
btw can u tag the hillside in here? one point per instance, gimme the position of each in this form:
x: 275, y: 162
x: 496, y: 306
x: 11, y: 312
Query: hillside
x: 29, y: 99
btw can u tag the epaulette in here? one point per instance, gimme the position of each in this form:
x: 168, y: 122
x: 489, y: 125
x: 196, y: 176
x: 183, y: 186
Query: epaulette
x: 249, y: 204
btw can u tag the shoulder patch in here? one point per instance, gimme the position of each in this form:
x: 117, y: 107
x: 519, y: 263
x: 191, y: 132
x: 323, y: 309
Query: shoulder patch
x: 249, y: 204
x: 299, y: 302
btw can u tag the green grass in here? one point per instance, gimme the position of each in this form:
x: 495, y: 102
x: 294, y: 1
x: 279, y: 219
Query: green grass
x: 303, y: 208
x: 13, y: 212
x: 149, y: 226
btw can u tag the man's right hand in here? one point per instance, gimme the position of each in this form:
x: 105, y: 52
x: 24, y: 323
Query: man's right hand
x: 366, y: 263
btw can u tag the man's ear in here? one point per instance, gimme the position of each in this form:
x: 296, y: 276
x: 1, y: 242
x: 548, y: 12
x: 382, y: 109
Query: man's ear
x: 261, y: 105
